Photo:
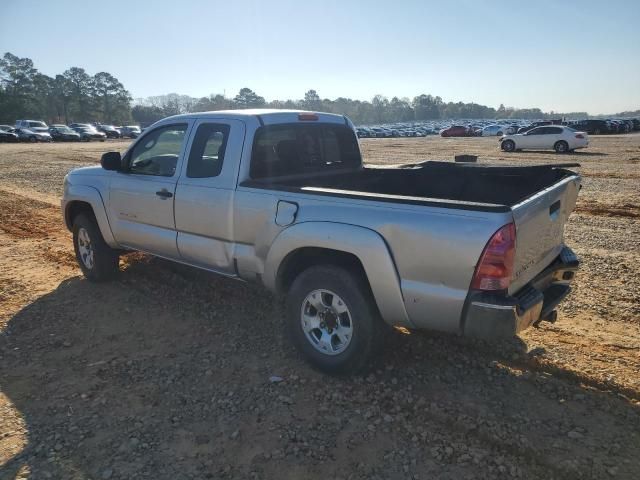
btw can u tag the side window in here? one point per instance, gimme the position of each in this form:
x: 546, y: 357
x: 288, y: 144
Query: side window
x: 555, y: 130
x: 536, y: 131
x: 207, y: 151
x: 157, y: 152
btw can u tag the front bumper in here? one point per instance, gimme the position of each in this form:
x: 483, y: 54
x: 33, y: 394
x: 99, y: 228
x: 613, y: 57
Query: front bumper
x: 488, y: 315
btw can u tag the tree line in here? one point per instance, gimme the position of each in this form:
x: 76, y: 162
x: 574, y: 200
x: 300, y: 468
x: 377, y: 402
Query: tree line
x: 76, y: 96
x: 377, y: 111
x: 72, y: 96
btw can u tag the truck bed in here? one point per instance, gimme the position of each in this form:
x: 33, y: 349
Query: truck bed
x: 472, y: 184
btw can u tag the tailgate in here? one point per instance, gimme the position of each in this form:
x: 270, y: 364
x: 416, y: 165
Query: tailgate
x: 540, y: 223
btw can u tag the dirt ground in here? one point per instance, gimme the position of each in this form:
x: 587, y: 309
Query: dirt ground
x: 173, y: 373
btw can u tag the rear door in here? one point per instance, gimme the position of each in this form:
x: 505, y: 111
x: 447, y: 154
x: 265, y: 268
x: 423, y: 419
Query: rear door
x: 205, y: 193
x: 141, y: 197
x: 553, y: 135
x: 540, y: 222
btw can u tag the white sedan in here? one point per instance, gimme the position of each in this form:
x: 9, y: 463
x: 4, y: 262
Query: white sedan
x: 561, y: 139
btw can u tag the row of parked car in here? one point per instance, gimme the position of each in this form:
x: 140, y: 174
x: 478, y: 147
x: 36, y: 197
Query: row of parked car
x: 38, y: 131
x: 485, y: 128
x: 590, y: 126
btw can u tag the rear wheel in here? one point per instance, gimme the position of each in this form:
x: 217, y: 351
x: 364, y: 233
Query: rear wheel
x: 561, y: 147
x: 332, y: 319
x: 97, y: 260
x: 508, y: 145
x: 33, y: 139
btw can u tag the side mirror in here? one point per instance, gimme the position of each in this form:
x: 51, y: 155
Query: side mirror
x: 111, y: 161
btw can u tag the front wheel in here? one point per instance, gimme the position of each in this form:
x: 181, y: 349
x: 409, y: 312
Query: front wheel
x: 508, y: 145
x: 97, y: 260
x: 33, y: 139
x: 332, y: 319
x: 561, y: 147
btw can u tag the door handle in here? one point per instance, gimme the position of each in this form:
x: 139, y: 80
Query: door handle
x: 164, y: 193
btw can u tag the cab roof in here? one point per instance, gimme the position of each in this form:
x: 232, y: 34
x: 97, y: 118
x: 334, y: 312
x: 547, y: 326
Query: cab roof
x: 265, y: 116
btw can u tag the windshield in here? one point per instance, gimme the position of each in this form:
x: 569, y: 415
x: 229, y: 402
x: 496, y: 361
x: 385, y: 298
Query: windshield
x: 37, y: 125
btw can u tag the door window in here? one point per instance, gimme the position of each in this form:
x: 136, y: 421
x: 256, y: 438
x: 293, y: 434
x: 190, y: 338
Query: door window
x: 157, y: 152
x: 207, y: 151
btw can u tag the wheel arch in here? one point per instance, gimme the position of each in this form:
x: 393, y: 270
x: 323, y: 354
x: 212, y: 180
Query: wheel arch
x: 83, y: 199
x: 315, y: 243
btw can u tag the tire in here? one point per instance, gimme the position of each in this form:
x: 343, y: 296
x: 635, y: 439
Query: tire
x: 33, y: 139
x: 97, y: 260
x: 346, y: 294
x: 561, y: 147
x: 596, y: 131
x: 499, y: 134
x: 508, y: 145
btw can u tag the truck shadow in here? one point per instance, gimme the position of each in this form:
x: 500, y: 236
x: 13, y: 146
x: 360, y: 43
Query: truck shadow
x: 154, y: 374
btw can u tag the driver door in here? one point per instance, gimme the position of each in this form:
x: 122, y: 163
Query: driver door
x: 141, y: 198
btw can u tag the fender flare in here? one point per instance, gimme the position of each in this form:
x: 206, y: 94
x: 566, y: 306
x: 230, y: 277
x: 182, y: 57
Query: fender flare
x: 367, y: 245
x: 90, y: 195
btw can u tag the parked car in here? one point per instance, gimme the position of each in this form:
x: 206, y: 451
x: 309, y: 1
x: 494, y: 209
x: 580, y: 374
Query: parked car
x: 456, y: 131
x: 8, y: 136
x: 131, y: 131
x: 88, y: 133
x: 77, y: 125
x: 351, y: 247
x: 33, y: 125
x: 62, y: 133
x: 109, y: 130
x: 559, y: 138
x: 28, y: 135
x: 593, y: 127
x: 492, y: 130
x: 6, y: 128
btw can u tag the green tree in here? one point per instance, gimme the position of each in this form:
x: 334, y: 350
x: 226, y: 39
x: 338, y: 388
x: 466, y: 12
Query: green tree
x: 247, y: 98
x: 80, y: 84
x: 111, y: 99
x: 312, y: 101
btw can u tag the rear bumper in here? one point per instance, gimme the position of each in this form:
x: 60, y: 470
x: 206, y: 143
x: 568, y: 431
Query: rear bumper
x: 493, y: 316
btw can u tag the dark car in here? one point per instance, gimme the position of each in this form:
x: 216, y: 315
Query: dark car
x: 109, y: 130
x: 456, y: 131
x: 7, y: 136
x: 593, y: 127
x: 62, y: 133
x: 28, y: 135
x: 88, y: 133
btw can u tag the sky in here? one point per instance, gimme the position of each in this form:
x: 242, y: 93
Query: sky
x: 560, y: 55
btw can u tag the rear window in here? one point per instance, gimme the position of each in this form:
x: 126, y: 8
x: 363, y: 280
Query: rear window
x: 291, y: 149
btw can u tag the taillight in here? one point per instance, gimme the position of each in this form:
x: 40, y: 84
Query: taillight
x: 495, y: 267
x: 579, y: 135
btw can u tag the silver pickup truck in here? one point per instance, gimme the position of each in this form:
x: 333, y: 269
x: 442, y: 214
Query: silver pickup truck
x: 282, y: 198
